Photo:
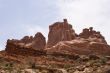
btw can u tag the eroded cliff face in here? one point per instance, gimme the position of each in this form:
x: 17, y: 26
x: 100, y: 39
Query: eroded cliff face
x: 27, y: 45
x: 60, y: 31
x: 96, y: 36
x: 61, y: 39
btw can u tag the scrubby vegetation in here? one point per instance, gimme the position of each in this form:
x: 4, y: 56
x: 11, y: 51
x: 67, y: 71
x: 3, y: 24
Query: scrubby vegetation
x: 53, y: 64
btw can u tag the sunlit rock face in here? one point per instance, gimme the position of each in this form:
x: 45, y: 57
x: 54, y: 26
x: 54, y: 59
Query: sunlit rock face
x: 60, y: 31
x: 80, y: 46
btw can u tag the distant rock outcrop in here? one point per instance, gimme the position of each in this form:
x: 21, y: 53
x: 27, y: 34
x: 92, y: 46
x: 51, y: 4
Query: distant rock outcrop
x: 60, y: 31
x: 90, y: 33
x: 27, y: 46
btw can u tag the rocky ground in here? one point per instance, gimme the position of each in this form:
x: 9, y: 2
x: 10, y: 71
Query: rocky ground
x: 55, y: 64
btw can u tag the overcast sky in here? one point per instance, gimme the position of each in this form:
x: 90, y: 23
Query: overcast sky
x: 27, y: 17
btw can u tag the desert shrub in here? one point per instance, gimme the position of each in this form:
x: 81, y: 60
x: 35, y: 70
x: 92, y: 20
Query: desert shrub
x: 93, y: 57
x: 44, y: 71
x: 103, y: 60
x: 19, y: 71
x: 33, y: 65
x: 30, y: 62
x: 91, y: 63
x: 67, y: 66
x: 9, y: 67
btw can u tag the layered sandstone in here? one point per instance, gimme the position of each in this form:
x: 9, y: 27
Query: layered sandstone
x: 27, y: 45
x: 60, y: 31
x: 89, y: 41
x: 90, y: 33
x: 81, y: 47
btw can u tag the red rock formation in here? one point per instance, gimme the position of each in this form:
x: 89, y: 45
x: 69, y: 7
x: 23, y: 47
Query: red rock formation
x: 62, y: 39
x: 99, y: 48
x: 90, y: 33
x: 80, y: 46
x: 27, y: 39
x: 60, y: 31
x: 38, y: 42
x: 87, y: 42
x: 69, y: 47
x: 27, y: 45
